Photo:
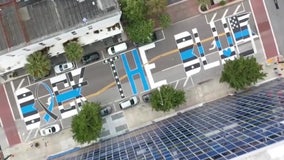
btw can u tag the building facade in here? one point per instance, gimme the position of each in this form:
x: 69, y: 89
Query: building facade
x: 223, y: 129
x: 31, y: 26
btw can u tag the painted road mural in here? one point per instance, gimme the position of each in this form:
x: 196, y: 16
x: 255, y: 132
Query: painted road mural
x: 64, y: 92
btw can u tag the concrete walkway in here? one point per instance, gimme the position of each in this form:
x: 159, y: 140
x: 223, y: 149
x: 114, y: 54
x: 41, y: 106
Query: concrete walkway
x: 142, y: 114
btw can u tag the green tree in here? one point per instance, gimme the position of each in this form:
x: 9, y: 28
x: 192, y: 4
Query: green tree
x: 141, y: 32
x: 165, y: 20
x: 73, y: 51
x: 133, y: 10
x: 242, y: 72
x: 156, y: 7
x: 38, y: 65
x: 87, y: 125
x: 167, y: 98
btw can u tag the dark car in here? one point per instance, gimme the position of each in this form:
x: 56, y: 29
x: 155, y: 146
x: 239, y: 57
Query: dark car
x: 146, y: 97
x: 106, y: 110
x: 91, y: 57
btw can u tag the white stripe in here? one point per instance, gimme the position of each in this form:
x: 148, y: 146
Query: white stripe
x: 211, y: 65
x: 81, y: 80
x: 195, y: 61
x: 33, y: 126
x: 69, y: 113
x: 21, y: 91
x: 34, y: 116
x: 193, y: 71
x: 181, y: 35
x: 185, y: 44
x: 58, y: 78
x: 243, y: 17
x: 25, y: 99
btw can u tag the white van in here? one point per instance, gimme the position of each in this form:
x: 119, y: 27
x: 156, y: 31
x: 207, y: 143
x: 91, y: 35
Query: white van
x: 129, y: 102
x: 117, y: 48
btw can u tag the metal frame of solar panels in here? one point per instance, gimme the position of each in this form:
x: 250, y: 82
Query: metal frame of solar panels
x: 222, y: 129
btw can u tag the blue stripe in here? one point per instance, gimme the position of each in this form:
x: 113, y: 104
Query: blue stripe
x: 28, y: 108
x: 241, y: 34
x: 51, y: 105
x: 218, y: 44
x: 227, y: 52
x: 131, y: 73
x: 68, y: 95
x: 230, y: 40
x: 140, y: 70
x: 201, y: 49
x: 187, y: 54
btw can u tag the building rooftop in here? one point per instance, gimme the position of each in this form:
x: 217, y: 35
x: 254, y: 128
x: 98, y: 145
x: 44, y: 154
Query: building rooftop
x: 227, y: 128
x: 23, y: 22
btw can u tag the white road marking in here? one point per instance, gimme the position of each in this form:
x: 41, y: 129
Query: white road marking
x: 214, y: 16
x: 172, y: 67
x: 36, y: 133
x: 176, y: 84
x: 19, y: 86
x: 267, y: 14
x: 213, y: 45
x: 185, y: 82
x: 9, y: 100
x: 236, y: 10
x: 225, y: 13
x: 28, y: 135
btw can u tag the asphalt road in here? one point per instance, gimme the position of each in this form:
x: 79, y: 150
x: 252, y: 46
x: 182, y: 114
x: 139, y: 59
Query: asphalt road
x: 101, y: 87
x: 276, y: 19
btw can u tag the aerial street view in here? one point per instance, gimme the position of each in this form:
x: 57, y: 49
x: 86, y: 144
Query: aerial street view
x: 141, y: 79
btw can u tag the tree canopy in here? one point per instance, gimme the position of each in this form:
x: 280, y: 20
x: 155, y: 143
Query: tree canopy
x: 139, y: 16
x: 87, y: 125
x: 143, y: 27
x: 38, y: 65
x: 242, y: 72
x: 167, y: 98
x: 73, y: 51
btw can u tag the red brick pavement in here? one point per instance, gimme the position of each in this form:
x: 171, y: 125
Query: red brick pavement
x: 263, y: 24
x: 7, y: 119
x: 183, y: 10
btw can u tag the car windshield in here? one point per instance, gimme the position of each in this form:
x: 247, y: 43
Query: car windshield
x: 53, y: 129
x: 60, y: 68
x: 65, y: 66
x: 131, y: 101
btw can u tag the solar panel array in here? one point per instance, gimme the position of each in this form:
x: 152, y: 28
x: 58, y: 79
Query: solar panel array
x: 222, y: 129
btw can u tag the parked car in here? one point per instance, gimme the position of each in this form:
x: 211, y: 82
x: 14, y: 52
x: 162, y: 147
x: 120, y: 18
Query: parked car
x: 91, y: 57
x: 146, y: 97
x: 64, y: 67
x: 117, y: 48
x: 129, y: 102
x: 106, y: 111
x: 50, y: 130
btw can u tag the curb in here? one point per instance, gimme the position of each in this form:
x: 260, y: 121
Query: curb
x: 219, y: 7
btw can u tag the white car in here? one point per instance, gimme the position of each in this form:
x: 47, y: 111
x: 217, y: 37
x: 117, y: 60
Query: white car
x: 64, y: 67
x: 50, y: 130
x: 117, y: 48
x: 129, y: 103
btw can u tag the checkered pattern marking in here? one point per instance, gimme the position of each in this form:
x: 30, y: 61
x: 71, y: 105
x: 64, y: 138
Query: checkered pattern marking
x: 239, y: 26
x: 228, y: 53
x: 111, y: 61
x: 25, y: 100
x: 190, y: 61
x: 199, y: 46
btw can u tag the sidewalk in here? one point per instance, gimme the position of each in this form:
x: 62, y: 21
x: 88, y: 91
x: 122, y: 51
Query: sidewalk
x: 63, y: 141
x: 136, y: 116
